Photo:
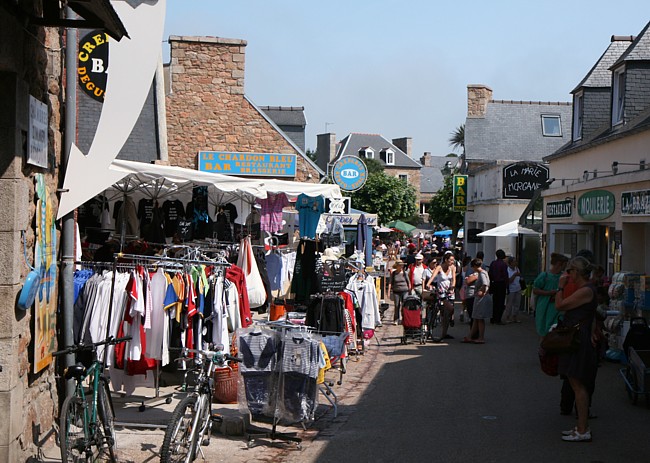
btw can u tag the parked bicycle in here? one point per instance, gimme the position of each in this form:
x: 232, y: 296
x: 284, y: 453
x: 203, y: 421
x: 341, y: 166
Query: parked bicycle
x: 87, y: 430
x: 190, y: 425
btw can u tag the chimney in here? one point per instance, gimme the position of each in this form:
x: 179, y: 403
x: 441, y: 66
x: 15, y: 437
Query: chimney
x: 426, y: 160
x: 405, y: 144
x: 325, y: 149
x: 478, y: 96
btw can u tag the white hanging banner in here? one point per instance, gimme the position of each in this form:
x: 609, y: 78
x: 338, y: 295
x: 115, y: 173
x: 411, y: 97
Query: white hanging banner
x: 132, y: 65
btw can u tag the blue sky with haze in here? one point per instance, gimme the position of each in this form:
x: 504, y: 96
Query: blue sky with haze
x: 401, y: 68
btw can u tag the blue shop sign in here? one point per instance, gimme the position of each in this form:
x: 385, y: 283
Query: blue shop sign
x: 350, y: 173
x: 255, y: 164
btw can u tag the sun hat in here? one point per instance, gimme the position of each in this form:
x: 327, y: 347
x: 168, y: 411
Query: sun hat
x: 329, y: 254
x: 398, y: 262
x: 419, y: 256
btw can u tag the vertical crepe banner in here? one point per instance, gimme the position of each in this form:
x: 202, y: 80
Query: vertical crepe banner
x: 45, y: 263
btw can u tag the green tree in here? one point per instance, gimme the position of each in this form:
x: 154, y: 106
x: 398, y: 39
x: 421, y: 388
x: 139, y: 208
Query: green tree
x: 441, y: 209
x: 311, y: 154
x: 374, y: 166
x: 388, y: 197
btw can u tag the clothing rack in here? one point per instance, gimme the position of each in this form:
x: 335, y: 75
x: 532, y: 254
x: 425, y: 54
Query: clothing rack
x: 255, y: 432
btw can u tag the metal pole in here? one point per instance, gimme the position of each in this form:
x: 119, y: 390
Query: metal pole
x: 68, y: 229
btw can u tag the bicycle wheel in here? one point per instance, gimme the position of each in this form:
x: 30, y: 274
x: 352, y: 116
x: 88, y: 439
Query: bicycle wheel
x: 73, y: 437
x: 106, y: 418
x: 181, y: 435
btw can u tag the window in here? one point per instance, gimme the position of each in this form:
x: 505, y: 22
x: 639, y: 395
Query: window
x: 618, y: 96
x: 578, y: 111
x: 403, y: 177
x: 367, y: 153
x: 388, y: 156
x: 551, y: 126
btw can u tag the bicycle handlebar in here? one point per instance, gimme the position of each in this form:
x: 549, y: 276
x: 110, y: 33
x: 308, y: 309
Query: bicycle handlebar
x: 211, y: 354
x: 91, y: 346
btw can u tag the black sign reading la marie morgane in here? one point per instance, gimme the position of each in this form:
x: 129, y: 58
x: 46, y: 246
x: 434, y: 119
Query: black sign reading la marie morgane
x: 520, y: 180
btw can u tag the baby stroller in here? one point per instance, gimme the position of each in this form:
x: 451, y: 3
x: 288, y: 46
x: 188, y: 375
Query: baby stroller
x: 412, y: 319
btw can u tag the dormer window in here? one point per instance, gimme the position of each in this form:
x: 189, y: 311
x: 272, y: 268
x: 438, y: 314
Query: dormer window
x: 388, y: 156
x: 578, y: 111
x: 618, y: 95
x: 367, y: 153
x: 551, y: 125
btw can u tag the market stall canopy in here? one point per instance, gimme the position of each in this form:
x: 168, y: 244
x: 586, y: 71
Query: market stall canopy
x: 509, y: 229
x: 293, y: 189
x: 159, y: 181
x: 401, y: 226
x: 442, y: 233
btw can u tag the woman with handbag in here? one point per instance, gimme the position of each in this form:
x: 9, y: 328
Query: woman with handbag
x: 579, y: 309
x: 398, y: 286
x: 545, y: 289
x: 482, y: 305
x: 513, y: 298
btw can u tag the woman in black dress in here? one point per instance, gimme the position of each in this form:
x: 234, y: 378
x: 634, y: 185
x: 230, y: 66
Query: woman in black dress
x: 579, y: 309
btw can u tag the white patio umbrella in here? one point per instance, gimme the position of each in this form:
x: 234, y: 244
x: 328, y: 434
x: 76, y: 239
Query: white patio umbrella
x: 508, y: 229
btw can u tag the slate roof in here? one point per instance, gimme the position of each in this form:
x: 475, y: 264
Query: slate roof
x: 600, y: 76
x: 351, y: 145
x: 512, y: 131
x: 431, y: 179
x: 607, y: 134
x: 639, y: 50
x: 286, y: 115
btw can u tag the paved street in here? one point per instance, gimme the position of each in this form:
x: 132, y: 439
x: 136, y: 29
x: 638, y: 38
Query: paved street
x: 447, y: 402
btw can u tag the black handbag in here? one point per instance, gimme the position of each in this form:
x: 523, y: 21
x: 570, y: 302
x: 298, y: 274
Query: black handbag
x: 562, y: 340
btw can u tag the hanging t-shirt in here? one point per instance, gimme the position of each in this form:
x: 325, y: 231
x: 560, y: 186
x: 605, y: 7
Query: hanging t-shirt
x: 309, y: 210
x: 271, y: 214
x: 173, y: 212
x: 145, y: 212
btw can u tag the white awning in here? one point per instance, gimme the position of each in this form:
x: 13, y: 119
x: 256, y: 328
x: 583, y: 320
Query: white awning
x: 293, y: 189
x: 508, y: 229
x: 159, y: 182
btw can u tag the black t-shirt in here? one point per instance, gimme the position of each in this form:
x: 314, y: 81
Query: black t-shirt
x: 173, y: 212
x: 145, y: 212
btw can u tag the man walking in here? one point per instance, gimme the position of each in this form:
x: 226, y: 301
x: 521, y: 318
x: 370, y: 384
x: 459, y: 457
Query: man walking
x: 498, y: 273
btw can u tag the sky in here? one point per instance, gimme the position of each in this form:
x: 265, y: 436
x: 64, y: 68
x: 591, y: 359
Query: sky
x: 401, y: 68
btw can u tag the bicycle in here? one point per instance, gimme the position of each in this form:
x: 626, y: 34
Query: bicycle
x: 190, y: 425
x: 87, y: 431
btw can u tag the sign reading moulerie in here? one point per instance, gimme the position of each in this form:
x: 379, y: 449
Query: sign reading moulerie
x: 254, y: 164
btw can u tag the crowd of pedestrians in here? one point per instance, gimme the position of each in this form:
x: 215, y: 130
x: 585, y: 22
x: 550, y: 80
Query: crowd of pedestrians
x: 566, y: 293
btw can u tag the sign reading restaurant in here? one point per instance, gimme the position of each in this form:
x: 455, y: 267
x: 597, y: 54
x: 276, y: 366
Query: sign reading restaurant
x: 559, y: 209
x: 244, y: 164
x: 635, y: 202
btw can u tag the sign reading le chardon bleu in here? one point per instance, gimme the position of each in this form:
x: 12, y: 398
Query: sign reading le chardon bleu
x: 596, y: 205
x: 262, y: 164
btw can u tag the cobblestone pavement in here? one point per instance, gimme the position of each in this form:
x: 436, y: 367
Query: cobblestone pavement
x: 139, y: 445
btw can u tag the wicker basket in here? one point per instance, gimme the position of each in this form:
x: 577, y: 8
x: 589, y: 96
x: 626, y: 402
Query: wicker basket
x: 225, y: 385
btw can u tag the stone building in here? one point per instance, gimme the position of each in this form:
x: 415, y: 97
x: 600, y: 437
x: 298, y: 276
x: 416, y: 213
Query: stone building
x: 31, y: 83
x: 207, y: 108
